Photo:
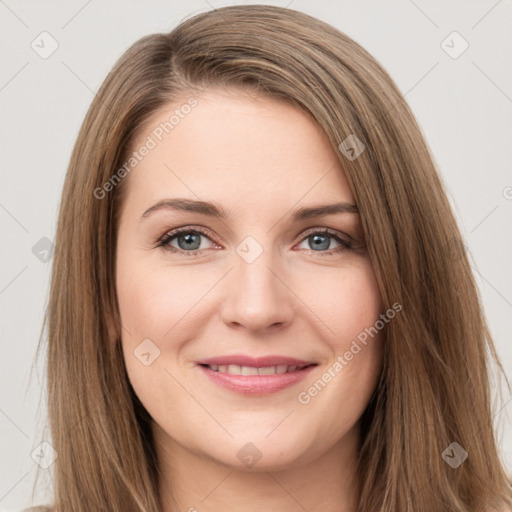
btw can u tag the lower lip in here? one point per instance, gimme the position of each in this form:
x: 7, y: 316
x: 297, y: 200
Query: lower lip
x: 256, y: 384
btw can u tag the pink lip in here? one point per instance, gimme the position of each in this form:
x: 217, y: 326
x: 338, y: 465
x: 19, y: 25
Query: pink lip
x: 255, y: 384
x: 256, y: 362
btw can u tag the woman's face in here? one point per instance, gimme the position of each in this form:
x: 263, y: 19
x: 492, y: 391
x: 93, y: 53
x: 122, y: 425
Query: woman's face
x: 253, y: 286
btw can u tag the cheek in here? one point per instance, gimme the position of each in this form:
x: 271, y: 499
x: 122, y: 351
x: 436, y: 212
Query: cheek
x: 152, y: 300
x: 160, y: 310
x: 150, y: 304
x: 348, y: 302
x: 351, y: 306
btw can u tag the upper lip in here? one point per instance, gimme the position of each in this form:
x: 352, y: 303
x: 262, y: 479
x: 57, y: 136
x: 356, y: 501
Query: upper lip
x: 256, y: 362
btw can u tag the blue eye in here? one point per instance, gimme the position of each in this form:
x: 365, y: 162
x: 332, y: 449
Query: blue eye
x: 189, y: 241
x: 320, y: 240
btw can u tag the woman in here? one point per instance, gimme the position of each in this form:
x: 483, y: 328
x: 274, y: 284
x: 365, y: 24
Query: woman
x: 322, y: 346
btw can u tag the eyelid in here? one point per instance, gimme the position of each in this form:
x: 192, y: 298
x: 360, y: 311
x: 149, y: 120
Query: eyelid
x: 186, y: 228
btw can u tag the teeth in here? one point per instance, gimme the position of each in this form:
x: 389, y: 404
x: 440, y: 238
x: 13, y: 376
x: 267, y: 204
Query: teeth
x: 267, y: 370
x: 248, y: 370
x: 235, y: 369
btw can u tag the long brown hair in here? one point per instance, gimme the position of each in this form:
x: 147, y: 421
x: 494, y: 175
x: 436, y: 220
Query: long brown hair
x: 434, y: 388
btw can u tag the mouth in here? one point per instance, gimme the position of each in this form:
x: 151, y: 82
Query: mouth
x: 235, y: 369
x: 249, y: 376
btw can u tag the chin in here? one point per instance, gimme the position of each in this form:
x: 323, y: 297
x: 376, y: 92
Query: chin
x: 262, y: 455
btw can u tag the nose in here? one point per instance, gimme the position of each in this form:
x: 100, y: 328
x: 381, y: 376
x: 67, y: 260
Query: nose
x: 257, y: 296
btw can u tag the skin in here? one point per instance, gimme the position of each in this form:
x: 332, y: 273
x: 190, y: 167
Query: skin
x: 260, y: 159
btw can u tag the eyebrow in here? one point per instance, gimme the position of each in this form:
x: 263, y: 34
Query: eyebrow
x: 217, y: 211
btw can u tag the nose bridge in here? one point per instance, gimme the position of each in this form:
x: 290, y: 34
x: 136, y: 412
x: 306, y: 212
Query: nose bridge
x: 256, y: 294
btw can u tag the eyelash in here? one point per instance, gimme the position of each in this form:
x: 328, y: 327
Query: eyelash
x: 167, y: 237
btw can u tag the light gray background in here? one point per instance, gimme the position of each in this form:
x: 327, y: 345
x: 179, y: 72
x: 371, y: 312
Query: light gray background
x: 463, y: 105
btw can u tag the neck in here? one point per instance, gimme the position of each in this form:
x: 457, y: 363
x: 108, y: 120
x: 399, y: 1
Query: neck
x: 195, y: 483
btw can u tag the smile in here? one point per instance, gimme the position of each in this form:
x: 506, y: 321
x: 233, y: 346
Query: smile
x: 250, y: 380
x: 235, y: 369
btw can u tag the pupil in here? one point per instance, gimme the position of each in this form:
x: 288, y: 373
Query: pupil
x: 189, y: 238
x: 318, y: 244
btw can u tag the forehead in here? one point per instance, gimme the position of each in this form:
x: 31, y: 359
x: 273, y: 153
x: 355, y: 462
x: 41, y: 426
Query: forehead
x: 235, y: 143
